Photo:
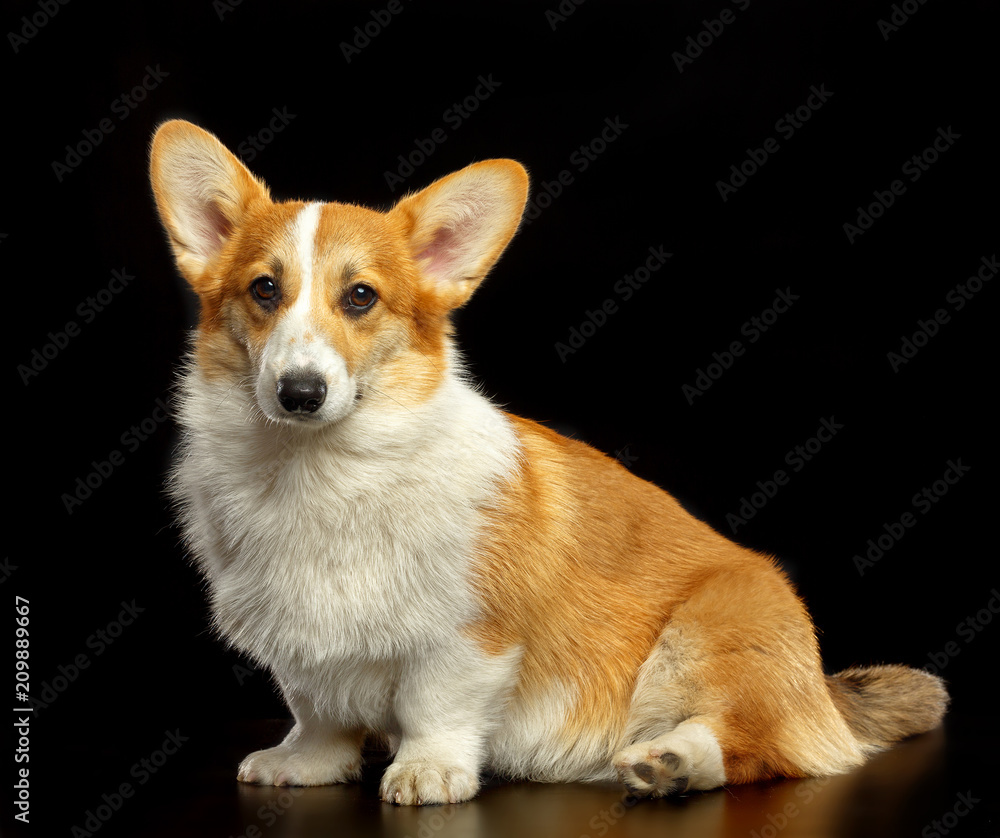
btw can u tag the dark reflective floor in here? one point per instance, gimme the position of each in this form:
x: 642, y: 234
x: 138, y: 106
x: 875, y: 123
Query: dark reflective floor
x: 942, y: 783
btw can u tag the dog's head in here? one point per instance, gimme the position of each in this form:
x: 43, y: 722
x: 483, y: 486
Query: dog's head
x: 313, y: 305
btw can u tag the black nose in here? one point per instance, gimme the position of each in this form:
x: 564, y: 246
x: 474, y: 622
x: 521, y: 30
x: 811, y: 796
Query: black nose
x: 301, y: 394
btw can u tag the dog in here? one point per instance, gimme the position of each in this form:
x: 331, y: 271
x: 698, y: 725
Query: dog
x: 415, y: 564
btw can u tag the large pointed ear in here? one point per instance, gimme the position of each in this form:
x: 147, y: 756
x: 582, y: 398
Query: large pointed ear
x: 459, y: 225
x: 203, y: 192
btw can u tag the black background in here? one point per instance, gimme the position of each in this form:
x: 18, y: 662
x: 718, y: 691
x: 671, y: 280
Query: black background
x: 556, y: 84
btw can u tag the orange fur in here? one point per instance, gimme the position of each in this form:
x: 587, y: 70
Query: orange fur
x: 584, y: 565
x: 561, y: 572
x: 594, y: 571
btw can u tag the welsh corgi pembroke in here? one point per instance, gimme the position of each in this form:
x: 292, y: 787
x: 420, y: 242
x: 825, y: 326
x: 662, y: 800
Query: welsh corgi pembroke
x: 414, y: 564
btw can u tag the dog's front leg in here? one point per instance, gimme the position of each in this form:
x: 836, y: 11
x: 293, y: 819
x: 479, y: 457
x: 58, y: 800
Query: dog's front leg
x: 448, y: 702
x: 316, y: 752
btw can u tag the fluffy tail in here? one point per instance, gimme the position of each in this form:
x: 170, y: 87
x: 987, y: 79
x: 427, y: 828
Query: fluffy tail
x: 883, y: 704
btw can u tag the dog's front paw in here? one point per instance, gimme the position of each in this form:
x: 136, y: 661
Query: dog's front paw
x: 288, y: 766
x: 417, y: 783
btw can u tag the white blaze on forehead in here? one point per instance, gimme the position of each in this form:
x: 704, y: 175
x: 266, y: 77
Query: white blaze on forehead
x: 297, y: 343
x: 306, y: 227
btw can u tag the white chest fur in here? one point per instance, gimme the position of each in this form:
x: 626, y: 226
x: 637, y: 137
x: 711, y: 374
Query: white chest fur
x: 352, y: 542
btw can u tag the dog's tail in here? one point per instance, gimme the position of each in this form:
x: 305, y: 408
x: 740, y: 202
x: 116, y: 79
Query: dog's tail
x: 883, y: 704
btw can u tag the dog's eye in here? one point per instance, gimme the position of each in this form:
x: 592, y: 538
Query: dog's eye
x: 361, y: 298
x: 264, y: 290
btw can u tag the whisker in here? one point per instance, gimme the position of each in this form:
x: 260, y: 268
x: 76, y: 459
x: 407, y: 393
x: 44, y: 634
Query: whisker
x: 385, y: 395
x: 227, y: 394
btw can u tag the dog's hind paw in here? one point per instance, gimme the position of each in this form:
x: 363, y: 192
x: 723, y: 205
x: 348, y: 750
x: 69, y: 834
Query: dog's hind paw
x: 647, y: 772
x: 686, y: 758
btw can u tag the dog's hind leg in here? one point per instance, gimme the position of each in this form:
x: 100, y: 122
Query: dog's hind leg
x: 734, y: 692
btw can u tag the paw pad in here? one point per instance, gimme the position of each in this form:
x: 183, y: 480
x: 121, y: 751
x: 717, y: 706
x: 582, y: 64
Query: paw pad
x: 651, y: 773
